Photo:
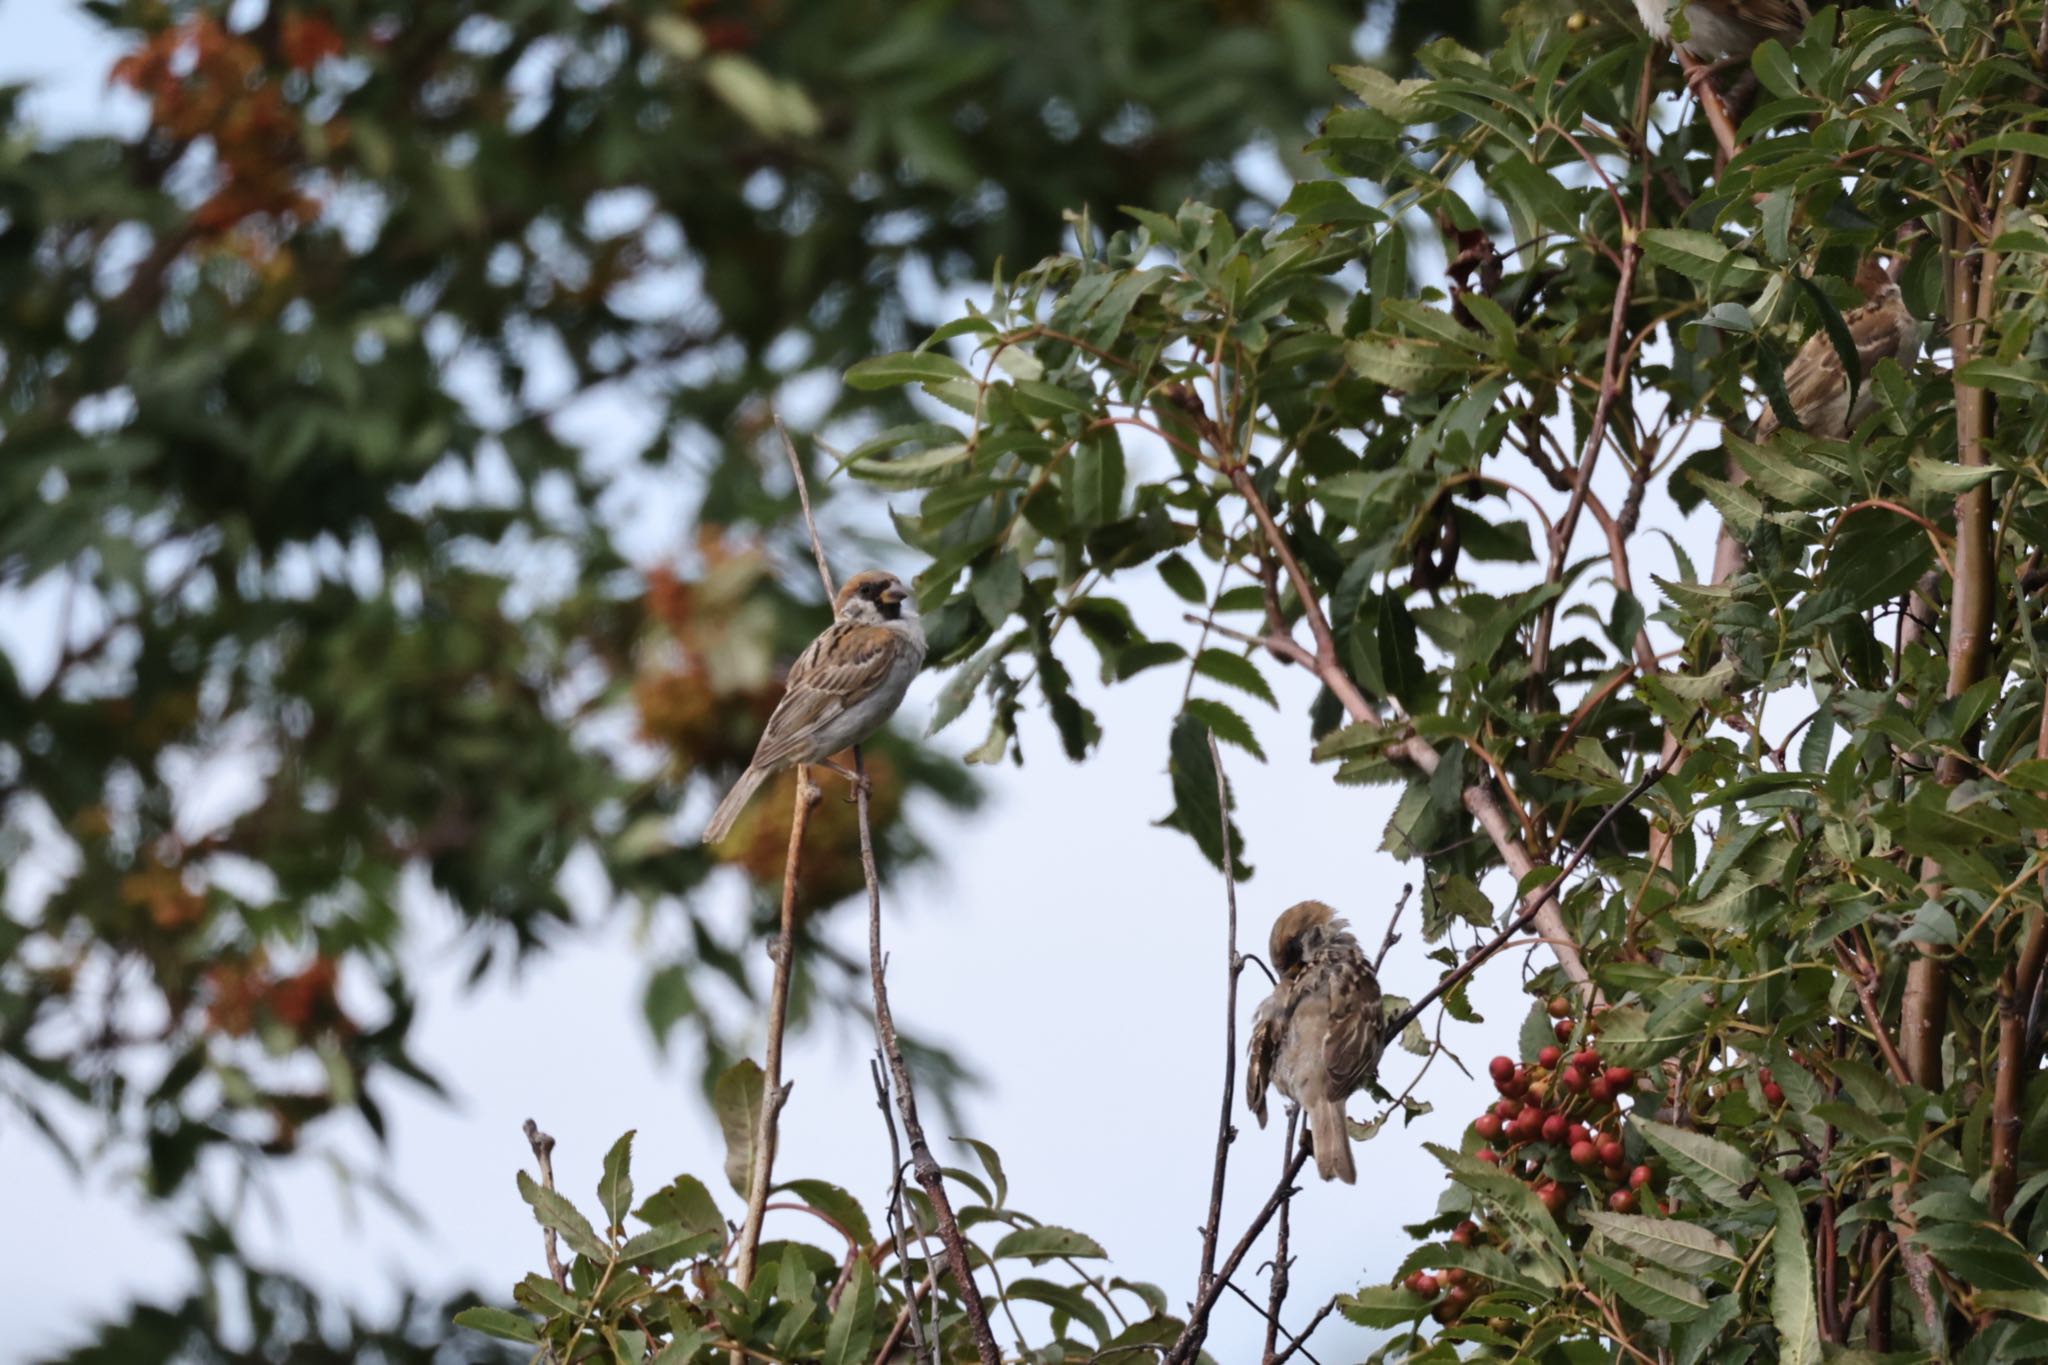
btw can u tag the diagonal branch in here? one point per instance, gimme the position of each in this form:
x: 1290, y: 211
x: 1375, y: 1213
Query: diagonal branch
x: 1226, y: 1133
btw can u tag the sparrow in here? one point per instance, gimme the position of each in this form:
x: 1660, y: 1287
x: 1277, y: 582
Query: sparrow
x: 1317, y: 1036
x: 1815, y: 381
x: 841, y: 689
x: 1720, y: 30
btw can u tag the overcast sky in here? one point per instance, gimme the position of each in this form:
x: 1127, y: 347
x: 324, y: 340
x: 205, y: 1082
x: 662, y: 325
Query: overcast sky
x: 1066, y: 948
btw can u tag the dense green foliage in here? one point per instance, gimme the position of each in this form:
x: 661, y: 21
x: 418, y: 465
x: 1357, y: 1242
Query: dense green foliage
x: 1841, y: 848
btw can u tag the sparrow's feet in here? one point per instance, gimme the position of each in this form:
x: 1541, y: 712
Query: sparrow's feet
x: 857, y: 784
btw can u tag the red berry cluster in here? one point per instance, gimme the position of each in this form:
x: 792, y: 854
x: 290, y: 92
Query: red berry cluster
x: 1457, y: 1285
x: 1565, y: 1103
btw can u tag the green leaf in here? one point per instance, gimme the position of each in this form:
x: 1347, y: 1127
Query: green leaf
x: 1182, y: 578
x: 1382, y: 1306
x: 1948, y: 478
x: 736, y: 1098
x: 615, y: 1186
x: 1063, y: 1299
x: 1793, y: 1309
x: 1042, y: 1243
x: 959, y: 689
x: 1702, y: 257
x: 991, y: 1163
x: 1676, y: 1245
x: 852, y: 1330
x: 1666, y: 1298
x: 1716, y: 1169
x: 836, y: 1204
x: 1234, y: 670
x: 1226, y: 725
x: 553, y: 1211
x: 905, y: 367
x: 658, y: 1248
x: 685, y: 1202
x: 497, y: 1322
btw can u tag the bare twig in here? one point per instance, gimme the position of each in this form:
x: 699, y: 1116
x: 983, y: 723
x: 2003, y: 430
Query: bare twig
x: 1300, y: 1343
x: 911, y: 1296
x: 922, y: 1164
x: 1277, y: 1286
x: 774, y: 1091
x: 1189, y: 1342
x: 1387, y: 943
x: 544, y: 1153
x: 1226, y: 1132
x: 803, y: 495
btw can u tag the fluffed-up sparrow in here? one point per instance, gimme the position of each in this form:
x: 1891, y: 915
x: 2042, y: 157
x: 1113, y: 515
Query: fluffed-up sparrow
x: 1317, y: 1037
x: 1721, y: 29
x: 1815, y: 380
x: 841, y: 689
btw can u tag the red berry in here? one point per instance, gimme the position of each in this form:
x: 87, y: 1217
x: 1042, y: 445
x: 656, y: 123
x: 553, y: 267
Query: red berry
x: 1610, y: 1152
x: 1457, y: 1296
x: 1554, y: 1197
x: 1465, y: 1234
x: 1639, y: 1177
x: 1600, y: 1090
x: 1423, y: 1283
x: 1554, y: 1128
x: 1488, y: 1155
x: 1622, y: 1201
x: 1501, y: 1068
x: 1763, y: 1073
x: 1507, y: 1109
x: 1584, y: 1153
x: 1455, y: 1275
x: 1517, y: 1086
x: 1548, y: 1057
x: 1559, y: 1007
x: 1774, y: 1094
x: 1576, y: 1134
x: 1487, y: 1126
x: 1444, y: 1314
x: 1564, y: 1030
x: 1586, y: 1059
x: 1572, y: 1079
x: 1613, y: 1174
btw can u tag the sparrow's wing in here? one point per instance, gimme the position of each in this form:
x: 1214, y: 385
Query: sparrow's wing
x: 1268, y: 1028
x: 1774, y: 16
x: 1351, y: 1049
x: 846, y: 663
x: 1815, y: 378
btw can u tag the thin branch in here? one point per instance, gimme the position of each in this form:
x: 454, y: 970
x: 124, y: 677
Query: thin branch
x: 1277, y: 1287
x: 912, y: 1296
x: 1226, y: 1133
x: 544, y: 1153
x: 774, y: 1091
x: 1190, y: 1340
x: 1300, y: 1343
x: 803, y: 495
x: 922, y: 1164
x: 1387, y: 943
x: 1539, y: 899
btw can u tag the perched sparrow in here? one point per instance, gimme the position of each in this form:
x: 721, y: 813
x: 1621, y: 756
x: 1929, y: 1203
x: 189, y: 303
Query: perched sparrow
x: 1317, y: 1036
x: 840, y: 690
x: 1722, y: 29
x: 1815, y: 381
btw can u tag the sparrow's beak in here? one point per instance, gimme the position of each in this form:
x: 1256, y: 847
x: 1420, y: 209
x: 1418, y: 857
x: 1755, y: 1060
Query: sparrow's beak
x: 895, y: 593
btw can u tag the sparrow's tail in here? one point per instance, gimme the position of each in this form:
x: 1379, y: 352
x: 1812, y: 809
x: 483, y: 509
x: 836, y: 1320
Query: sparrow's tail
x: 735, y: 802
x: 1332, y: 1142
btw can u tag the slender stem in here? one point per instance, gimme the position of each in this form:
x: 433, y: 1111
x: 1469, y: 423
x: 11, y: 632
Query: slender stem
x: 803, y: 495
x: 1226, y: 1132
x: 912, y: 1296
x: 544, y: 1155
x: 1189, y: 1342
x: 1277, y: 1287
x: 774, y: 1093
x: 1300, y: 1343
x: 922, y: 1164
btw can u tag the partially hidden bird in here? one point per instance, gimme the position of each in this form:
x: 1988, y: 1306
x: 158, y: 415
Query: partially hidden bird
x: 1816, y: 382
x: 841, y: 689
x: 1720, y: 30
x: 1317, y: 1037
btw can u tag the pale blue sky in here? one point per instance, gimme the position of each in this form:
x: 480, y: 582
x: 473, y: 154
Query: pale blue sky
x: 1068, y: 949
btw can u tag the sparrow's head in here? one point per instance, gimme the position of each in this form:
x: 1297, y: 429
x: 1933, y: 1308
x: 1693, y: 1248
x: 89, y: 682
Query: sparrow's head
x: 1874, y: 280
x: 1299, y: 932
x: 870, y: 597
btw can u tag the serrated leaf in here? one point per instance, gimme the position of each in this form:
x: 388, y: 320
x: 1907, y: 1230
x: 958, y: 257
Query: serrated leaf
x: 1234, y: 670
x: 1701, y: 256
x: 1382, y: 1306
x: 615, y: 1186
x: 1666, y: 1298
x: 1226, y: 725
x: 737, y: 1100
x: 991, y: 1163
x: 1716, y: 1169
x: 551, y: 1210
x: 496, y: 1322
x: 1045, y: 1242
x: 658, y: 1248
x: 852, y: 1330
x: 904, y: 367
x: 1793, y: 1308
x: 1684, y: 1247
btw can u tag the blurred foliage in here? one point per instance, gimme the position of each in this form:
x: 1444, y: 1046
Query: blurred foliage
x: 1413, y: 372
x: 344, y: 609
